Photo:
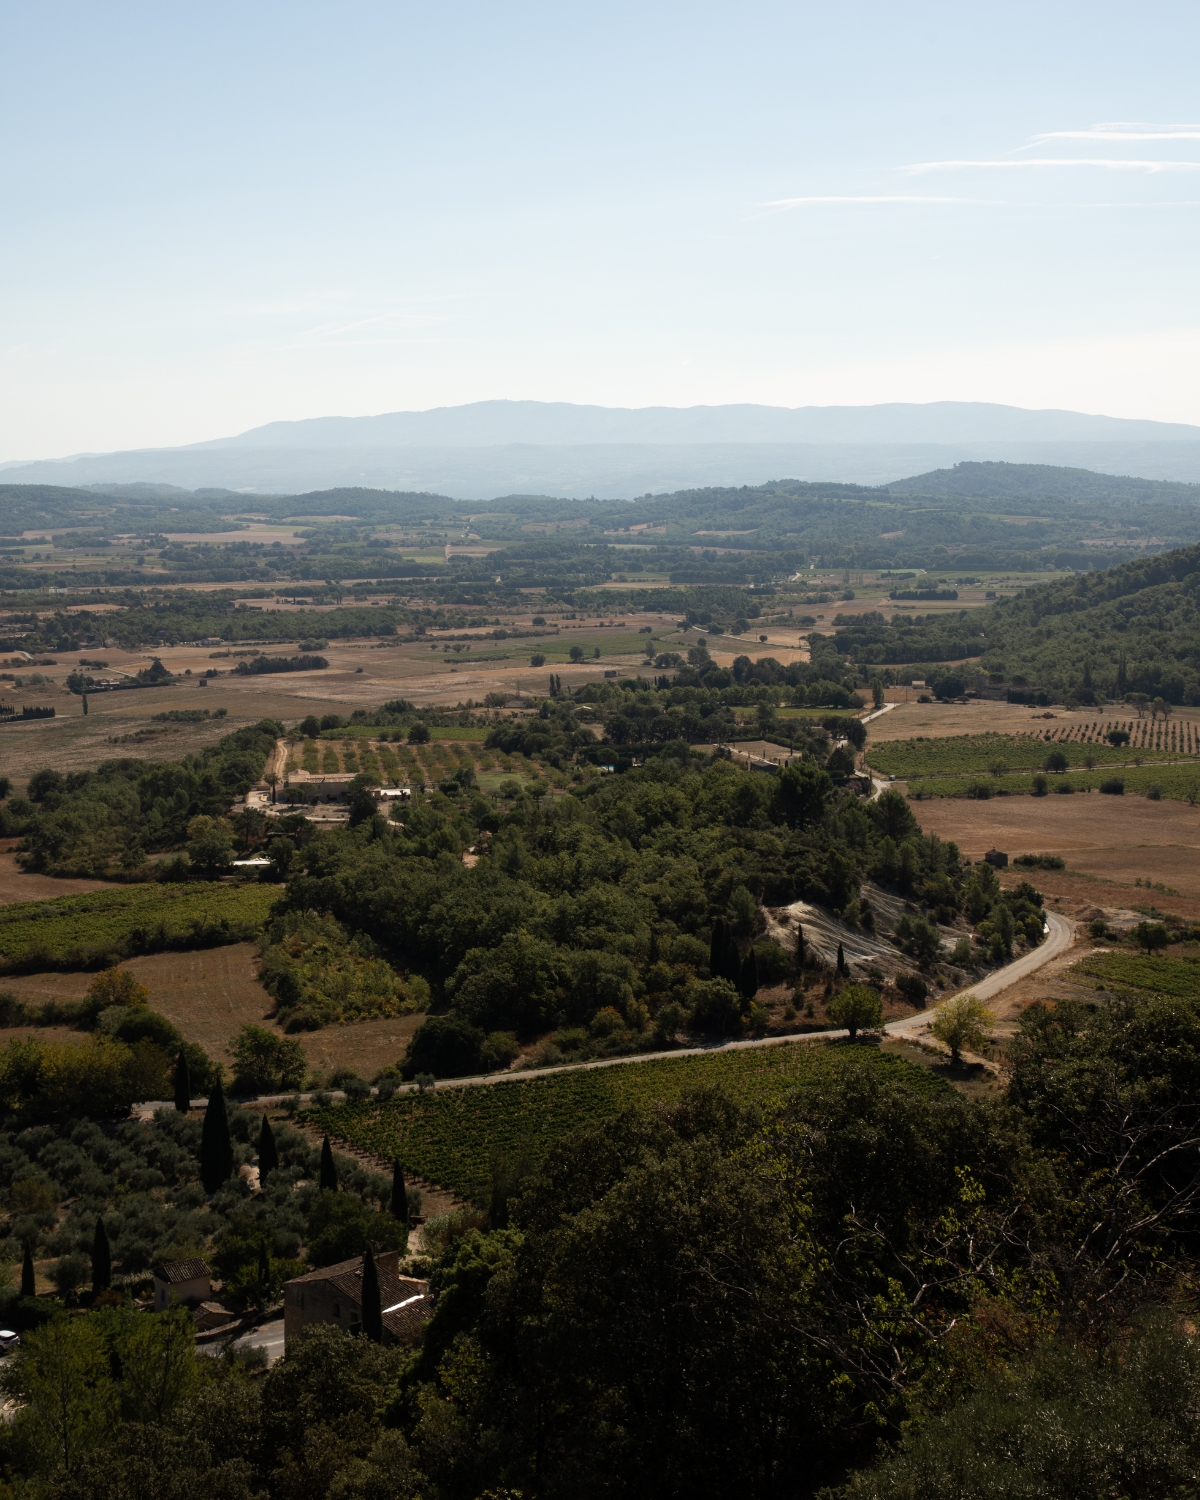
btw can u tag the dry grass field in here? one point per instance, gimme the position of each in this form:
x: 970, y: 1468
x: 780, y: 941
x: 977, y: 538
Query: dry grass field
x: 210, y: 994
x: 1108, y: 843
x: 16, y: 885
x: 361, y: 674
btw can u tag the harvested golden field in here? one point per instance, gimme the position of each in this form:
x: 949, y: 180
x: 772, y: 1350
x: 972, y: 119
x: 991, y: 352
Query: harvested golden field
x: 17, y: 885
x: 1119, y: 851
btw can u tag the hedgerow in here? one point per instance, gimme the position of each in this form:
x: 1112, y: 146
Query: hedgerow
x: 1178, y: 783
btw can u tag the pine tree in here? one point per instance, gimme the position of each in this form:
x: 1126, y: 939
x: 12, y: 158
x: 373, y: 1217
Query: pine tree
x: 183, y: 1085
x: 372, y: 1307
x: 268, y: 1152
x: 216, y: 1149
x: 748, y: 977
x: 28, y: 1280
x: 801, y: 954
x: 329, y: 1177
x: 399, y: 1204
x: 841, y: 960
x: 101, y: 1258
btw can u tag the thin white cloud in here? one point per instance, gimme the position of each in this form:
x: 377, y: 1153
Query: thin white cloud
x: 1110, y: 164
x: 1098, y: 134
x: 861, y: 198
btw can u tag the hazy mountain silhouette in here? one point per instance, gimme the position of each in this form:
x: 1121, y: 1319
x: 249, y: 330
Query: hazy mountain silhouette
x: 493, y: 448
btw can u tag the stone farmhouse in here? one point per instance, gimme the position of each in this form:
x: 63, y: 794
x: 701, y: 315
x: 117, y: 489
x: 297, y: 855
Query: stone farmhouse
x: 333, y: 1294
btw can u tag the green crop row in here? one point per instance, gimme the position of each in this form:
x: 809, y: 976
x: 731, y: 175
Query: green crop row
x: 72, y: 932
x: 1139, y: 971
x: 962, y: 754
x: 452, y: 1135
x: 1179, y: 783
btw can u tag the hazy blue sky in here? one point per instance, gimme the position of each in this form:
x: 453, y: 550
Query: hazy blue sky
x: 218, y: 215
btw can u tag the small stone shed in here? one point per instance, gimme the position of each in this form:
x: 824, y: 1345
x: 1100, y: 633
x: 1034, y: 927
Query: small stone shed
x: 998, y: 858
x: 187, y: 1281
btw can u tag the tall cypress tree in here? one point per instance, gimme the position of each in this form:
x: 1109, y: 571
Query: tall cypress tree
x: 841, y: 960
x: 716, y: 950
x: 101, y: 1258
x: 183, y: 1085
x: 801, y: 953
x: 264, y: 1274
x: 399, y: 1204
x: 372, y: 1307
x: 329, y: 1177
x: 268, y: 1152
x: 748, y: 978
x: 216, y: 1149
x: 28, y: 1280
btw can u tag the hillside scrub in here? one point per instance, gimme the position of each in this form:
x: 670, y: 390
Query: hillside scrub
x: 321, y: 976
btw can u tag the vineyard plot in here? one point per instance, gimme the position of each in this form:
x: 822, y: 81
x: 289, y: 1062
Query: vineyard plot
x: 452, y: 1135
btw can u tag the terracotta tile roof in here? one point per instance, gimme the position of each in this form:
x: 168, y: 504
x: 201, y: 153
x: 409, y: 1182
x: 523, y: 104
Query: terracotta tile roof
x: 175, y: 1271
x: 324, y: 1273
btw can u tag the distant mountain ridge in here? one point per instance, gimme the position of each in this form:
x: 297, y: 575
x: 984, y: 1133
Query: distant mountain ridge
x: 490, y: 423
x: 491, y: 448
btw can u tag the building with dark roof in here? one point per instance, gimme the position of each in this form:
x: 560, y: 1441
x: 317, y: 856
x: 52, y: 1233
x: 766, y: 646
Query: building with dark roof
x: 187, y: 1281
x: 333, y: 1294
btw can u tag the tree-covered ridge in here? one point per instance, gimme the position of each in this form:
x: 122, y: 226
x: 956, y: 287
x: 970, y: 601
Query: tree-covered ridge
x: 1018, y: 517
x: 1032, y: 485
x: 1131, y: 628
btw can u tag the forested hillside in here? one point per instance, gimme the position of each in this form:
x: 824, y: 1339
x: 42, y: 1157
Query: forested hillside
x: 1025, y: 485
x: 975, y: 516
x: 1133, y: 628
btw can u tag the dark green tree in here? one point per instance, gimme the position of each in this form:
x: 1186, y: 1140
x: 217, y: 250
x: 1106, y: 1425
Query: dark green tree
x: 841, y: 960
x: 372, y: 1308
x: 183, y: 1085
x: 101, y: 1258
x: 268, y: 1152
x: 216, y: 1149
x: 28, y: 1279
x: 399, y: 1203
x: 801, y: 954
x: 329, y: 1176
x: 748, y: 978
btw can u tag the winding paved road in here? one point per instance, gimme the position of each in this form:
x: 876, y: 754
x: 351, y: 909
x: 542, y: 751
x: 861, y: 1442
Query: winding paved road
x: 1060, y: 934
